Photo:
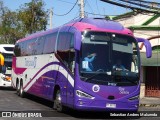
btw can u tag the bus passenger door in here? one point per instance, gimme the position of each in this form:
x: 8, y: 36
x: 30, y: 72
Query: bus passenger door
x: 70, y: 85
x: 65, y: 76
x: 62, y: 74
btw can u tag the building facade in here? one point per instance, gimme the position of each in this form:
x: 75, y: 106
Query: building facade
x: 146, y: 25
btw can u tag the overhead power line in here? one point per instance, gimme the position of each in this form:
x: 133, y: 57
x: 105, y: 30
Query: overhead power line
x: 67, y: 12
x: 95, y: 14
x: 97, y: 7
x: 89, y: 6
x: 65, y: 1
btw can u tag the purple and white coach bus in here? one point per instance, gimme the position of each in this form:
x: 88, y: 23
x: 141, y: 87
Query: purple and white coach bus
x: 87, y: 64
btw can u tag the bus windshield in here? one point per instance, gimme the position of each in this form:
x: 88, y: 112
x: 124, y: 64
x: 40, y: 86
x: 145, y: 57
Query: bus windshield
x: 109, y: 59
x: 7, y: 63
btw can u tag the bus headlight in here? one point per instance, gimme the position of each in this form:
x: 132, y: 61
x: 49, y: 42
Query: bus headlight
x: 6, y: 78
x: 83, y: 94
x: 3, y: 78
x: 134, y: 98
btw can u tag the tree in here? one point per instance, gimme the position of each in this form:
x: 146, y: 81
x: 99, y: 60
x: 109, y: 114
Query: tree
x: 9, y: 28
x: 33, y: 17
x: 30, y: 18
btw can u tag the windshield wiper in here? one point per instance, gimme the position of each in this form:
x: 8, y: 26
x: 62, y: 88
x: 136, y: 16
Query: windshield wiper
x: 107, y: 73
x: 134, y: 82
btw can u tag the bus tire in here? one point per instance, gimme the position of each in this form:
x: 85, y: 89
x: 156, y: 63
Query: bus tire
x: 17, y: 87
x: 57, y: 102
x: 21, y: 91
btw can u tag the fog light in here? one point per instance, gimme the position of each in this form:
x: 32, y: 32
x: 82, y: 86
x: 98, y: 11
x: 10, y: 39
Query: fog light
x: 80, y: 102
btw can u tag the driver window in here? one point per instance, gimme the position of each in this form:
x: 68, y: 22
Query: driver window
x: 65, y: 50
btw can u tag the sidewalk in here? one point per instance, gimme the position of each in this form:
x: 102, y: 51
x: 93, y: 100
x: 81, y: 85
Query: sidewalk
x: 150, y: 102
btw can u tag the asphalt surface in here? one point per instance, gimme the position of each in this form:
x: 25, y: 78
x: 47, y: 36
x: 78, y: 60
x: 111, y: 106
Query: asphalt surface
x: 10, y: 102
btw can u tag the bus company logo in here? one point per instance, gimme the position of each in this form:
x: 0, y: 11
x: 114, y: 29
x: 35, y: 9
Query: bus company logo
x: 123, y: 91
x: 31, y: 63
x: 95, y: 88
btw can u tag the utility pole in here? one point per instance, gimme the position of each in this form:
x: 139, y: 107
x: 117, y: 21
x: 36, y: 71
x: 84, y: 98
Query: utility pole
x: 81, y: 5
x: 50, y: 18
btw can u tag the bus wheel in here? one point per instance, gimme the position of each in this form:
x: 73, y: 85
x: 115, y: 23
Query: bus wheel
x: 21, y: 91
x: 57, y: 102
x: 17, y: 88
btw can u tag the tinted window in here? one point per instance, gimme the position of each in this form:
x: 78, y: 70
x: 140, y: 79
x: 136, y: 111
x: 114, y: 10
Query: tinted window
x: 23, y: 47
x: 31, y: 45
x: 9, y: 48
x: 109, y: 59
x: 65, y: 41
x: 17, y: 50
x: 49, y: 45
x: 39, y: 45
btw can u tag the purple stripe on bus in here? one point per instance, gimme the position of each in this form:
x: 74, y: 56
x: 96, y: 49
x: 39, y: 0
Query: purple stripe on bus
x: 42, y: 82
x: 44, y: 68
x: 43, y: 87
x: 40, y: 71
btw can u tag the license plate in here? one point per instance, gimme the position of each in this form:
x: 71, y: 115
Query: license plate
x: 110, y: 105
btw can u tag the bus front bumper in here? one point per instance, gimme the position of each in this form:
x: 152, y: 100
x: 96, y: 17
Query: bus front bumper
x: 102, y: 105
x: 5, y: 83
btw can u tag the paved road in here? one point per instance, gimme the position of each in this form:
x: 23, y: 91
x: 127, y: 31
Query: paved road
x: 9, y: 101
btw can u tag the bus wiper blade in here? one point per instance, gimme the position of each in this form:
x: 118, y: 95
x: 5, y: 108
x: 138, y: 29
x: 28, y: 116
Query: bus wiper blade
x: 107, y: 73
x: 134, y: 82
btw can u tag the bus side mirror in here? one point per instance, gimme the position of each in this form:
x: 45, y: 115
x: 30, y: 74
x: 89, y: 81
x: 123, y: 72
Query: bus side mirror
x: 147, y: 44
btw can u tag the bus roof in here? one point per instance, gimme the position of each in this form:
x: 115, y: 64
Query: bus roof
x: 99, y: 24
x: 6, y: 45
x: 6, y: 48
x: 82, y: 24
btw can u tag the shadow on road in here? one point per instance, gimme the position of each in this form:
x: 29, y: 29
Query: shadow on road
x: 74, y: 113
x: 39, y: 100
x: 7, y: 88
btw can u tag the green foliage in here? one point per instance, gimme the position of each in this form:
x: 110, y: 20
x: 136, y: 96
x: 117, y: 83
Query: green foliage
x: 33, y: 16
x: 156, y: 48
x: 10, y: 28
x: 30, y: 18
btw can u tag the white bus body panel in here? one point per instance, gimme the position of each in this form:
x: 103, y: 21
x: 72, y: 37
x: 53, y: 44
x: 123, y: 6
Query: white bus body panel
x: 4, y: 83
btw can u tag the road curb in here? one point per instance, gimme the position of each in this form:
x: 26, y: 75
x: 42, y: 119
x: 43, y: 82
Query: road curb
x: 149, y: 105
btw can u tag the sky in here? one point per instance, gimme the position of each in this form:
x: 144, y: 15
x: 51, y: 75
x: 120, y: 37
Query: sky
x: 63, y: 6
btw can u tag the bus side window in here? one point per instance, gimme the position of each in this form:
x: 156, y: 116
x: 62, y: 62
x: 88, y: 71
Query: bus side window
x: 30, y: 47
x: 24, y: 48
x: 64, y: 49
x: 17, y: 50
x: 49, y: 43
x: 39, y: 45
